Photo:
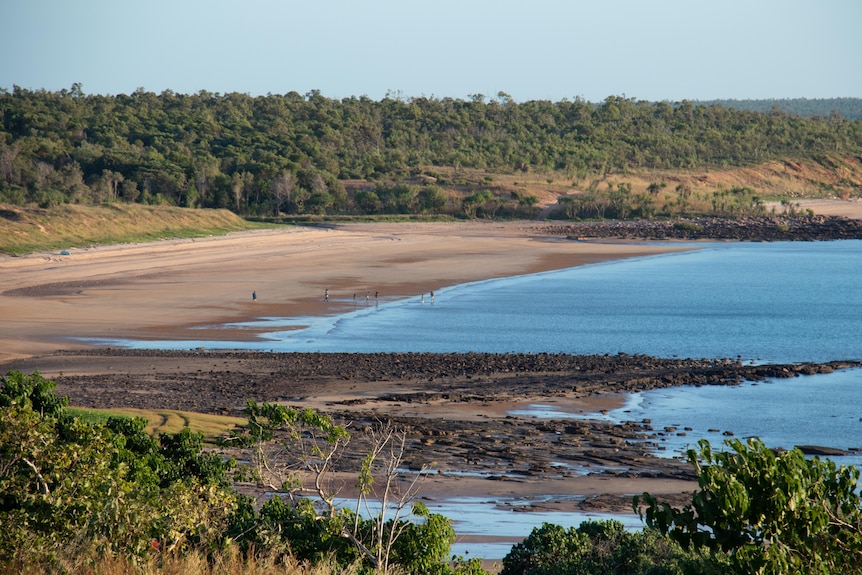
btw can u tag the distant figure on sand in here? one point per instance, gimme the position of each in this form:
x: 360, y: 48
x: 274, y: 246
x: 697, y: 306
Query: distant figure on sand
x: 432, y: 297
x: 254, y: 296
x: 326, y: 295
x: 423, y: 298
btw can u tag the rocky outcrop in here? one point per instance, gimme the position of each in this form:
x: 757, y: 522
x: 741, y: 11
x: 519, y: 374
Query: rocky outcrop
x: 767, y: 229
x: 476, y: 437
x: 222, y: 381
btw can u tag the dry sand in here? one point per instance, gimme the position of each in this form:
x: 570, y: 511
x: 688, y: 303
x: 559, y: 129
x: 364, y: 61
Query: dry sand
x: 825, y: 207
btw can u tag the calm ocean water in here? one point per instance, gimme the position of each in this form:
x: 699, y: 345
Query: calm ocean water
x: 767, y: 302
x: 772, y: 302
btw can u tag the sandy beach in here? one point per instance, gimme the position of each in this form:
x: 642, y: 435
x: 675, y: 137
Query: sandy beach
x: 159, y: 290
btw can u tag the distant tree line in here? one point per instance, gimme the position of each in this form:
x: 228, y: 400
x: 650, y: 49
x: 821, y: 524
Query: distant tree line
x: 297, y: 154
x: 850, y: 108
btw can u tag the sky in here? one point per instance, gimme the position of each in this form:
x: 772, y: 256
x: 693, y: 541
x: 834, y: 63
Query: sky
x: 553, y: 50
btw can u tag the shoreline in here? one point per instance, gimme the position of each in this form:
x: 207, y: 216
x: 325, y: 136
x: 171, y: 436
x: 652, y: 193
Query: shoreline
x: 164, y: 289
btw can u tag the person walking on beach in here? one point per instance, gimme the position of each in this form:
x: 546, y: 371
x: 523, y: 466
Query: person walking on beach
x: 432, y: 297
x: 326, y: 295
x: 254, y: 296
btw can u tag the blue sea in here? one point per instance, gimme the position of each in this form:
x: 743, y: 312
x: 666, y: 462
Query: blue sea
x: 782, y: 302
x: 766, y: 302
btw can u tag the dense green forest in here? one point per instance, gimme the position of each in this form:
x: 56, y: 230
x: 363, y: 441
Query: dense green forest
x: 304, y: 154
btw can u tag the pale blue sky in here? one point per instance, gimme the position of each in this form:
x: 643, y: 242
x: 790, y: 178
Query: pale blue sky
x: 532, y: 50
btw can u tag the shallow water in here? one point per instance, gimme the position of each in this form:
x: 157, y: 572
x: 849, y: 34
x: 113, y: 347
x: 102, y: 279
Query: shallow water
x: 483, y: 517
x: 500, y: 518
x: 822, y: 410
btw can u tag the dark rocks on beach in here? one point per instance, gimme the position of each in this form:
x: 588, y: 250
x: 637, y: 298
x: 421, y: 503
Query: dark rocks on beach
x: 764, y: 229
x: 221, y: 382
x: 822, y: 451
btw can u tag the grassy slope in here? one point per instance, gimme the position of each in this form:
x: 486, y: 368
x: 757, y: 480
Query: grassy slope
x: 167, y: 420
x: 26, y: 230
x: 831, y: 177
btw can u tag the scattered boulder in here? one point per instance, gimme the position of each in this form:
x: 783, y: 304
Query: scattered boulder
x: 821, y: 450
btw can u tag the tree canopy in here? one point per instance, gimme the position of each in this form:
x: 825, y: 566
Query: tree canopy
x: 297, y: 153
x: 850, y: 108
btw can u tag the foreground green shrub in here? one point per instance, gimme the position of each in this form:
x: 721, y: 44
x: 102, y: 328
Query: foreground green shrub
x: 68, y: 488
x: 600, y: 548
x: 292, y: 454
x: 773, y: 513
x: 74, y: 494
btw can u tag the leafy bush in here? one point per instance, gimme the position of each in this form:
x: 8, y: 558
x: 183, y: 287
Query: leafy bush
x: 600, y: 548
x: 68, y: 488
x: 73, y: 492
x: 774, y: 513
x: 291, y: 450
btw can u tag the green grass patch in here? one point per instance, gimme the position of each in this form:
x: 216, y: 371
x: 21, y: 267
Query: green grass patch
x: 165, y: 420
